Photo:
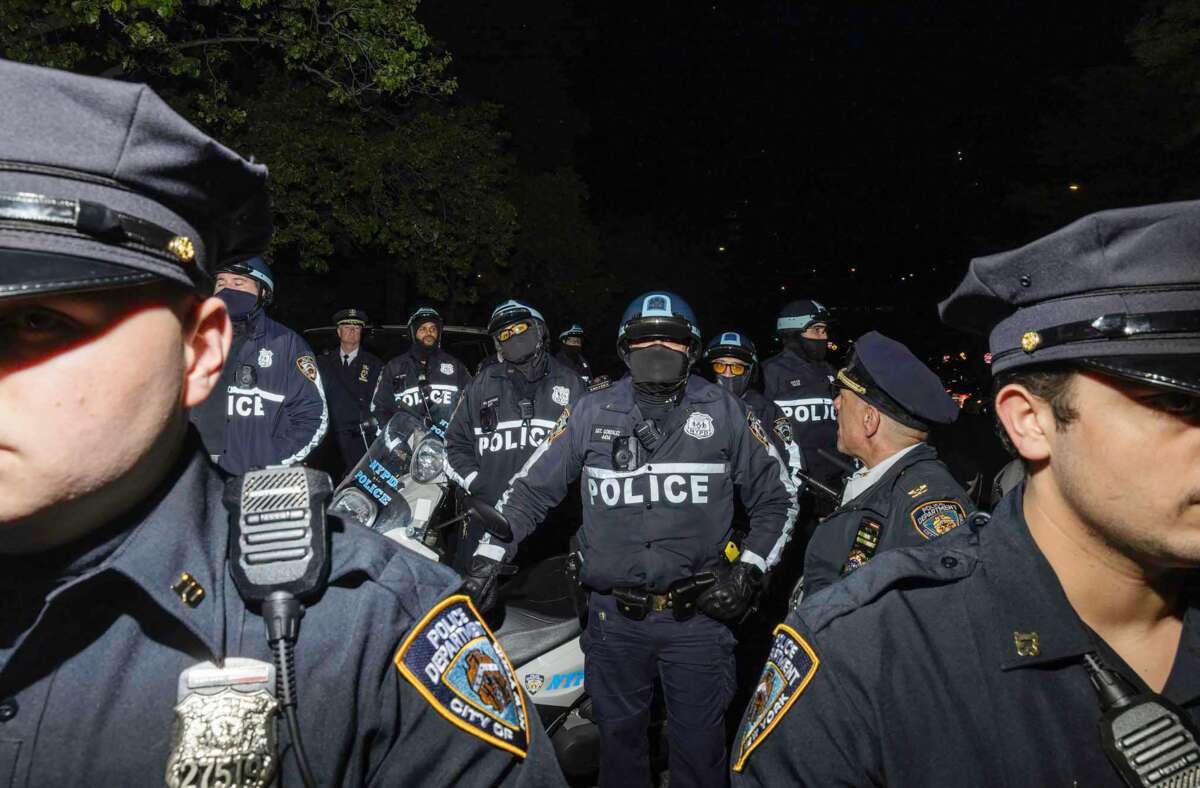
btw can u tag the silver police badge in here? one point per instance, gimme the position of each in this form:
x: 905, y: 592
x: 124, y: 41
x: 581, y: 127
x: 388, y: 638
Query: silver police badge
x: 699, y: 426
x: 447, y: 368
x: 265, y: 357
x: 561, y: 395
x: 225, y: 726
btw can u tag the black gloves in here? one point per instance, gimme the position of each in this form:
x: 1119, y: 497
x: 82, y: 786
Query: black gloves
x: 482, y: 581
x: 731, y: 596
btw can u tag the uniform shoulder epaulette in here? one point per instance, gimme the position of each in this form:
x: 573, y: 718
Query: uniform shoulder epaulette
x: 956, y: 556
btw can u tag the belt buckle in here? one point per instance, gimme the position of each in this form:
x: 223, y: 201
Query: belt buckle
x: 659, y: 602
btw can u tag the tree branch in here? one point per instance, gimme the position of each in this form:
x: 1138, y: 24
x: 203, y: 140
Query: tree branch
x: 226, y: 40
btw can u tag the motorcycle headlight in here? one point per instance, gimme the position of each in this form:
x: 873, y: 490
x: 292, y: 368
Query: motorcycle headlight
x: 352, y: 503
x: 428, y: 461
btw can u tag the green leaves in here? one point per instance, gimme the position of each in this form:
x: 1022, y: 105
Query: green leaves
x: 337, y: 97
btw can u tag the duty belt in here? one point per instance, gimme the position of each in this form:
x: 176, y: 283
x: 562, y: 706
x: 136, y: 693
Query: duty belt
x: 680, y: 599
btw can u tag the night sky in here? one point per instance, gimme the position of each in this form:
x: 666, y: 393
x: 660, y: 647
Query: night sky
x: 857, y: 153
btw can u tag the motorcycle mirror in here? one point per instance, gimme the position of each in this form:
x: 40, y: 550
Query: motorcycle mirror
x: 492, y: 521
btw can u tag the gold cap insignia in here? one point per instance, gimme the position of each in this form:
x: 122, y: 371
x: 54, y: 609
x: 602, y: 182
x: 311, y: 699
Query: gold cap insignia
x: 182, y: 247
x: 853, y: 385
x: 1030, y: 341
x: 1027, y: 644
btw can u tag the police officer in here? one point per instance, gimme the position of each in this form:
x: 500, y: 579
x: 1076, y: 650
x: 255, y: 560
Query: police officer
x: 797, y: 379
x: 733, y: 360
x: 273, y: 410
x: 1003, y: 652
x: 570, y: 352
x: 425, y: 379
x: 903, y: 495
x: 114, y: 575
x: 662, y: 454
x: 506, y: 411
x: 349, y: 373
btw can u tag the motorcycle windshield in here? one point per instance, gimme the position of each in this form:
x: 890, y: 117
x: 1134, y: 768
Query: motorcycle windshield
x: 379, y: 475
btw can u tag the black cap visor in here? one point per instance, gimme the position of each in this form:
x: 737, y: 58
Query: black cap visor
x: 730, y: 351
x: 1173, y: 372
x: 671, y: 329
x: 25, y: 273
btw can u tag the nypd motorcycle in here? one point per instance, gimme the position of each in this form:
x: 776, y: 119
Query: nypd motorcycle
x: 399, y: 485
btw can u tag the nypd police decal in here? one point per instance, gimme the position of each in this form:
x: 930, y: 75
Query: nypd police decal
x: 937, y: 517
x: 790, y: 666
x: 454, y: 661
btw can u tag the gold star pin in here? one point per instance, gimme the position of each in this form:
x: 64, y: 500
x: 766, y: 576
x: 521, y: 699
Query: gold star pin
x: 182, y: 247
x: 1030, y: 341
x: 189, y: 590
x: 1027, y: 644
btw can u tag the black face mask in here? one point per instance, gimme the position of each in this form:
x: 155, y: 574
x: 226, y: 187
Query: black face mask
x: 521, y: 347
x: 811, y: 349
x: 736, y: 385
x: 238, y: 303
x: 657, y: 366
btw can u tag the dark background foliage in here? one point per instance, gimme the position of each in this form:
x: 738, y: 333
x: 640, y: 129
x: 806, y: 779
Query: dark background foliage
x: 576, y: 153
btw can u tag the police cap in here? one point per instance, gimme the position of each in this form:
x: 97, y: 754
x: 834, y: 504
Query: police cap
x: 350, y: 317
x: 103, y: 185
x: 1117, y: 291
x: 886, y: 374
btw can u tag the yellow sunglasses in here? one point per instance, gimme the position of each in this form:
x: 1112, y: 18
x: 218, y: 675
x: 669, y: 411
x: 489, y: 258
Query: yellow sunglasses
x: 516, y: 328
x: 735, y: 368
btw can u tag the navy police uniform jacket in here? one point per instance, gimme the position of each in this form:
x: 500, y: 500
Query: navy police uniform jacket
x: 955, y: 664
x: 575, y: 362
x: 802, y: 390
x: 670, y: 516
x: 914, y: 501
x: 400, y: 386
x: 348, y: 389
x: 770, y: 415
x: 488, y: 441
x: 272, y: 410
x: 92, y: 647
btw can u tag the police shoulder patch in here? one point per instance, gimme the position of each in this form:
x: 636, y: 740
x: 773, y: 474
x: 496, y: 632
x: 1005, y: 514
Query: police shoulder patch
x: 783, y: 429
x: 308, y: 367
x: 454, y: 661
x: 560, y: 426
x: 756, y: 428
x: 790, y: 667
x: 935, y: 518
